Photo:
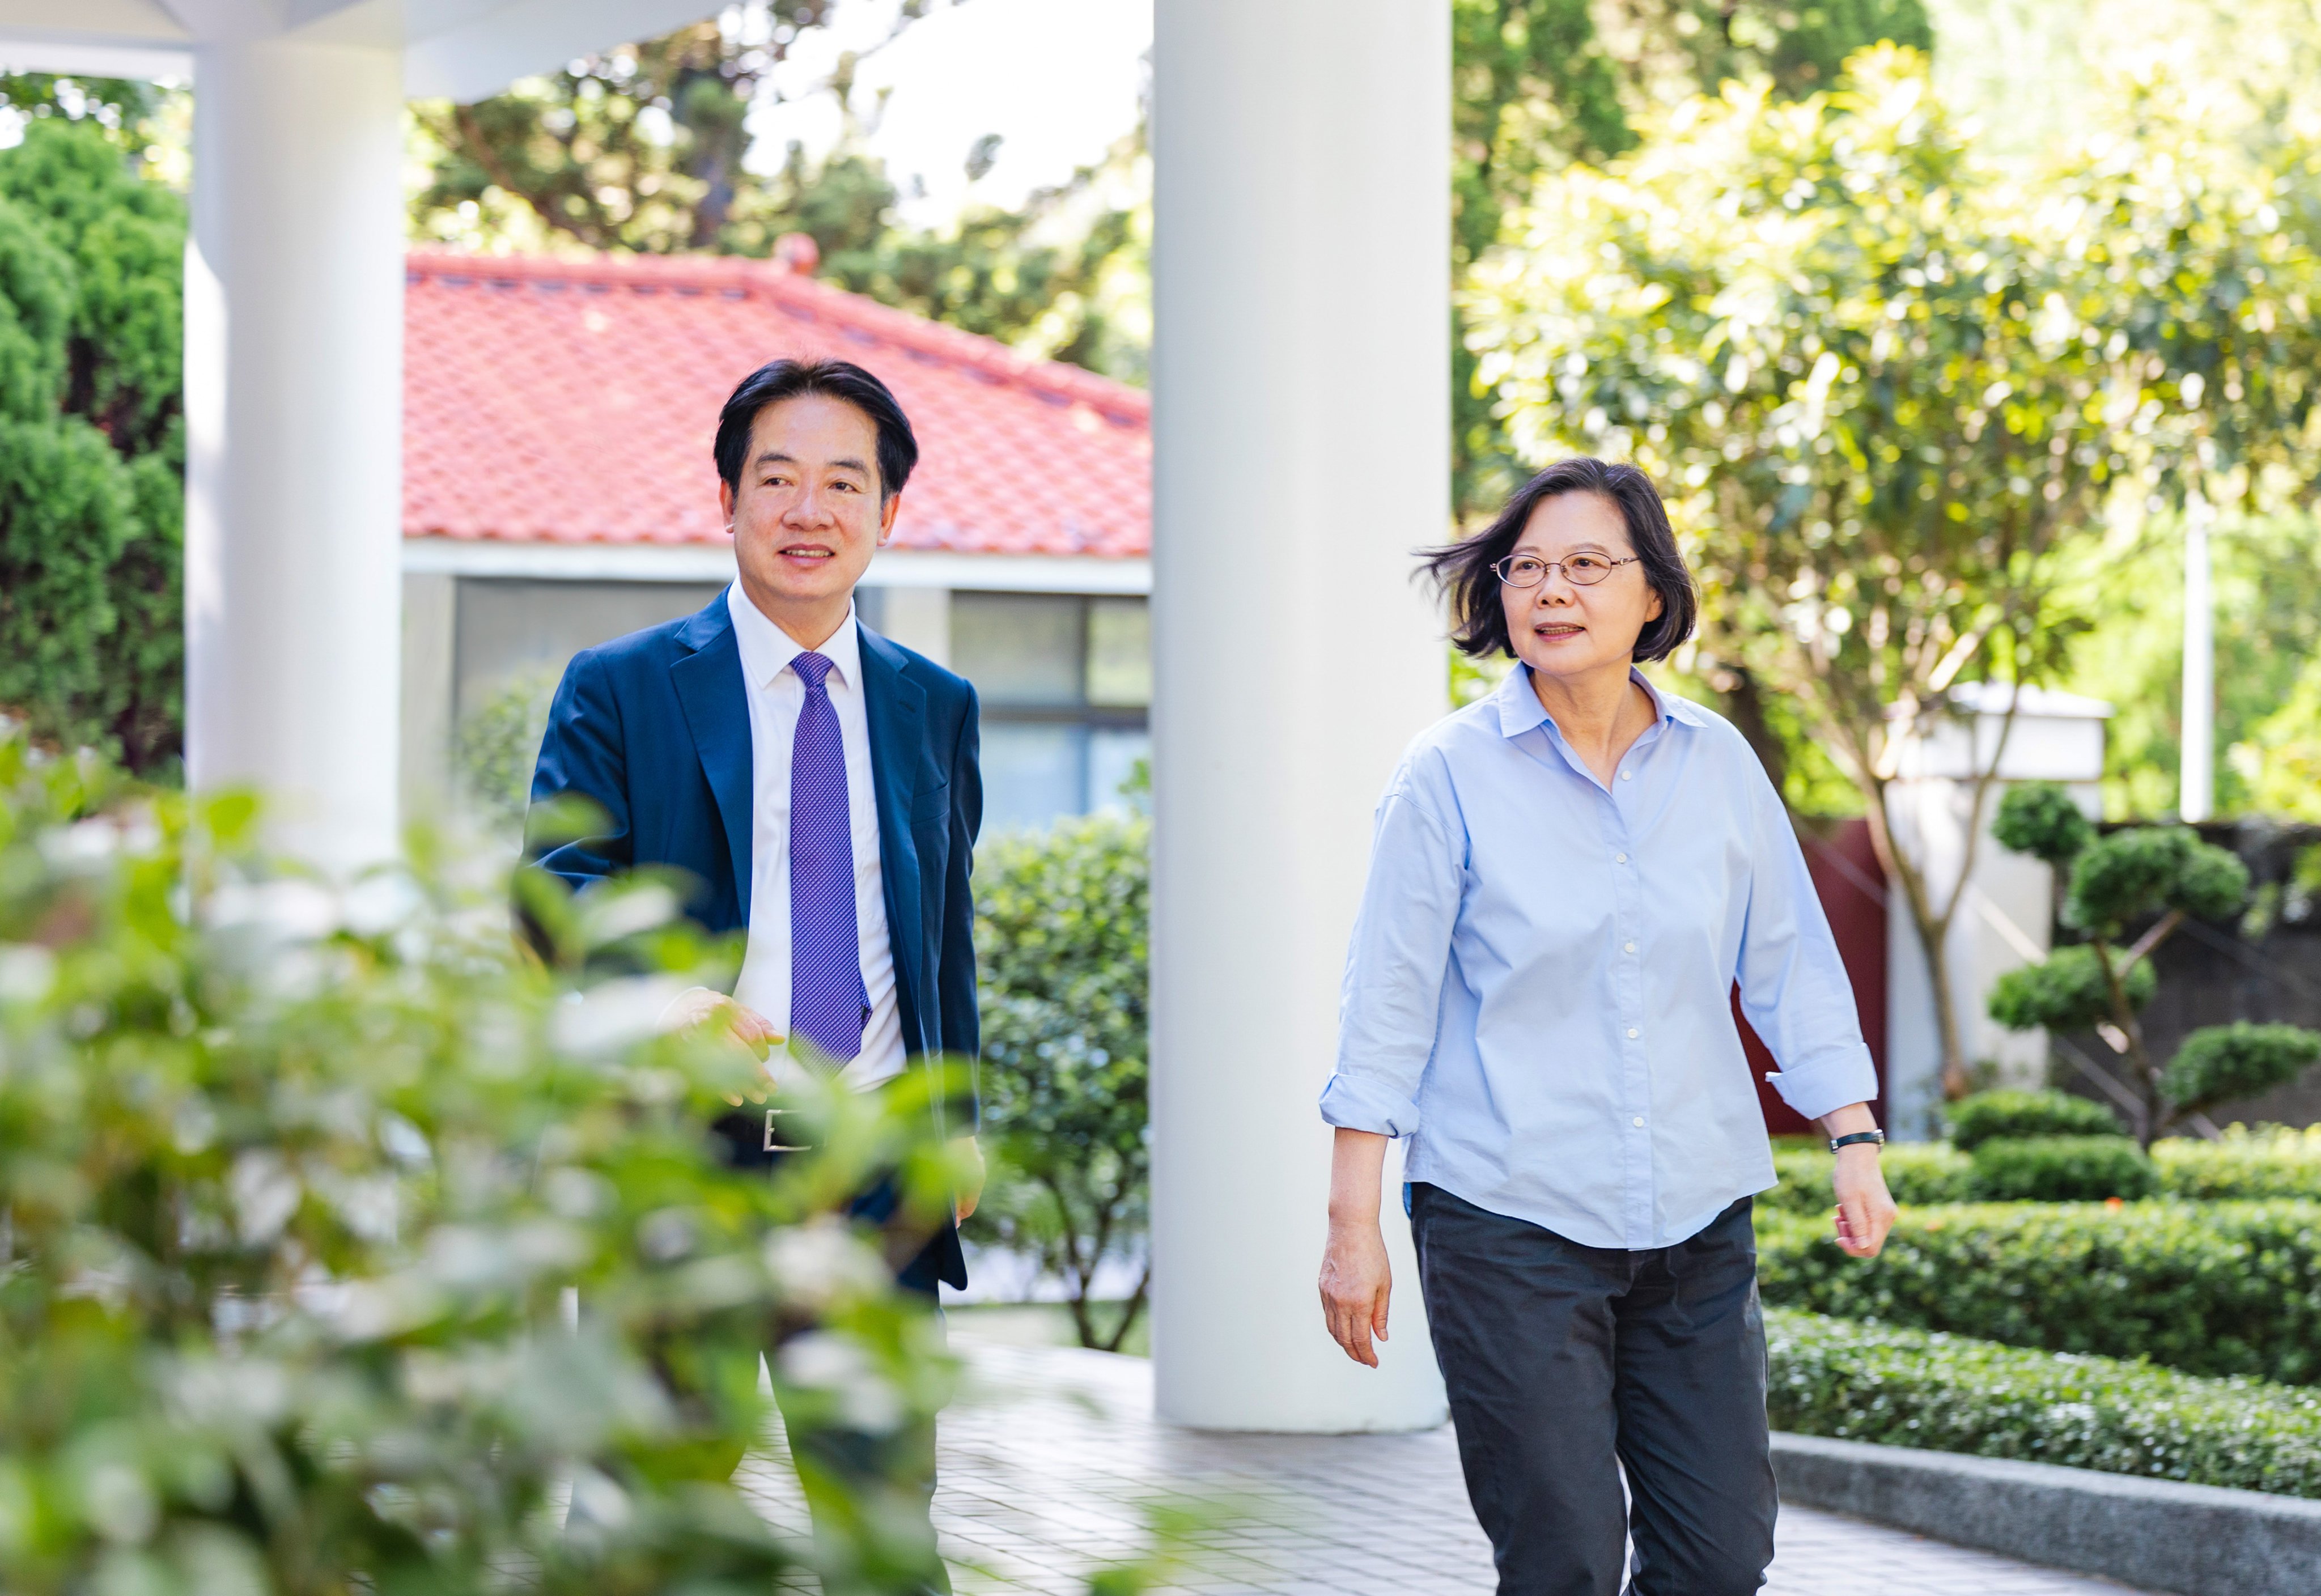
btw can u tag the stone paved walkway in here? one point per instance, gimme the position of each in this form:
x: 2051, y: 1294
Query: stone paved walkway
x: 1053, y: 1466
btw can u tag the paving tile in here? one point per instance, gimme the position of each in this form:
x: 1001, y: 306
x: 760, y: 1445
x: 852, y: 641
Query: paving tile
x: 1051, y: 1463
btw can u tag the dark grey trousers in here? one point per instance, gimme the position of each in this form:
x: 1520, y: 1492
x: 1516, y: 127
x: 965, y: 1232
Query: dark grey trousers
x: 1567, y: 1365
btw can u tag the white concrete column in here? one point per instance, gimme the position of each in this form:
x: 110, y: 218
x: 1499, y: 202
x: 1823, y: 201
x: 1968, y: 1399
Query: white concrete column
x: 293, y: 408
x: 1301, y: 430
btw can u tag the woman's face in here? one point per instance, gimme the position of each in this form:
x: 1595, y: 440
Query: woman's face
x: 1561, y: 628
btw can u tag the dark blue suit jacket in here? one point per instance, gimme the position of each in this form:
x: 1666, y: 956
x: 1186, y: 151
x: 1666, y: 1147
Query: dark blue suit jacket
x: 655, y: 729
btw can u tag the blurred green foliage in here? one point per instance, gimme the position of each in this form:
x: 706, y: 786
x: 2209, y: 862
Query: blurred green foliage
x: 495, y: 748
x: 2040, y: 818
x: 1901, y: 1386
x: 2223, y: 1063
x: 2206, y: 1287
x: 1989, y: 1116
x: 1063, y: 936
x: 296, y: 1176
x: 2133, y: 875
x: 91, y: 448
x: 2244, y: 1164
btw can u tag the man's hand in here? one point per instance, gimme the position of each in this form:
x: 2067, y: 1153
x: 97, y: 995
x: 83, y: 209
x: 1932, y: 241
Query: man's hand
x: 970, y: 1156
x: 1356, y: 1283
x: 704, y: 1009
x: 1865, y: 1210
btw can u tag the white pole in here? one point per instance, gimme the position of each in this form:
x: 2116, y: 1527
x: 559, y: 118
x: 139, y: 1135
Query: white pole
x: 1301, y: 450
x: 294, y: 409
x: 2196, y: 768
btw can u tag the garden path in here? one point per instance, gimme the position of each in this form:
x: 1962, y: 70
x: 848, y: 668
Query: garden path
x: 1051, y: 1461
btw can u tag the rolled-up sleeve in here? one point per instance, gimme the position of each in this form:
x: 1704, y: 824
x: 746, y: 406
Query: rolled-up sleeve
x: 1794, y: 986
x: 1395, y: 967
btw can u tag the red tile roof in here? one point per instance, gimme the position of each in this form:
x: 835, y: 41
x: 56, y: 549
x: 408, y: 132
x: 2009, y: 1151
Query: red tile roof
x: 559, y: 400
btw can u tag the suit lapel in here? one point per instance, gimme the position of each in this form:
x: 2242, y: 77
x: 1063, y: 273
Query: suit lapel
x: 895, y: 707
x: 709, y: 685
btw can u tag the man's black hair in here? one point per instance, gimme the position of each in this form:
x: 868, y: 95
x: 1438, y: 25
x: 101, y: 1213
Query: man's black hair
x: 776, y: 381
x: 1465, y: 569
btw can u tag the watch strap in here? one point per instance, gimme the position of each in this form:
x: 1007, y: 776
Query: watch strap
x: 1877, y: 1137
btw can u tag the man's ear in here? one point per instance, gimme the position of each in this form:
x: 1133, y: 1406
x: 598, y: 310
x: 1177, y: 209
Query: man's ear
x: 725, y: 502
x: 886, y: 518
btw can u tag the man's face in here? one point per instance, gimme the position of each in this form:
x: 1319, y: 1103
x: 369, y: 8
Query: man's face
x: 807, y: 515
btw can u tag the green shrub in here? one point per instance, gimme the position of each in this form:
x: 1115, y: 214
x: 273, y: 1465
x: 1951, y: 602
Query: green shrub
x: 2042, y: 819
x: 294, y: 1178
x: 2210, y: 1288
x: 2066, y: 992
x: 1947, y: 1393
x: 2217, y: 1063
x: 2063, y: 1168
x: 1917, y: 1173
x: 2248, y: 1164
x: 1988, y: 1115
x: 1061, y: 929
x: 2120, y: 879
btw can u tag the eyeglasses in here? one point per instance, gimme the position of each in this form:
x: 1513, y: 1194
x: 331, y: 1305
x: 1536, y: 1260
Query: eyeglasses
x: 1529, y: 570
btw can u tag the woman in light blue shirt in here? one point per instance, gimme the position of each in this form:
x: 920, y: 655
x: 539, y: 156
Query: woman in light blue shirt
x: 1568, y: 881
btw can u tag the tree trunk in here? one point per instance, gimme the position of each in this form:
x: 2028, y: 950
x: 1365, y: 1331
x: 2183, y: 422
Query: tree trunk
x: 1933, y: 937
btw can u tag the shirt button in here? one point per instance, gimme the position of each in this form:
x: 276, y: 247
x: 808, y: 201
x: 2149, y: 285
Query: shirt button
x: 1631, y: 1033
x: 1638, y: 1122
x: 1627, y: 775
x: 1629, y: 949
x: 1619, y: 859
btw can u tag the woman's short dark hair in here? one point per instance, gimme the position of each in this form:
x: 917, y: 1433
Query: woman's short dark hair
x: 776, y: 381
x: 1464, y: 569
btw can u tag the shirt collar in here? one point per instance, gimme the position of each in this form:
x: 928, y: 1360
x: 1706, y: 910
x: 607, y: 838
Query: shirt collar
x: 1520, y: 711
x: 767, y: 649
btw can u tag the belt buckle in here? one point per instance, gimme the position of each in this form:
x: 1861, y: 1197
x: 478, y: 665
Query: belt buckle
x: 772, y: 1145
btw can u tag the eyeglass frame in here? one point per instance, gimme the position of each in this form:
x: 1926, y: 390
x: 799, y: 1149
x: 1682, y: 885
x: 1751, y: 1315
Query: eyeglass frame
x: 1498, y: 570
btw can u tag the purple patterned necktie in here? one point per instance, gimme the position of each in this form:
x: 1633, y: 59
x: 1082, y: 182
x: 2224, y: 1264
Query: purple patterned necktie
x: 828, y: 1004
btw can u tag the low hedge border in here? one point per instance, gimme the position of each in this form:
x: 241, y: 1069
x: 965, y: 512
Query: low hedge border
x: 1951, y: 1393
x: 2214, y: 1288
x: 2246, y: 1166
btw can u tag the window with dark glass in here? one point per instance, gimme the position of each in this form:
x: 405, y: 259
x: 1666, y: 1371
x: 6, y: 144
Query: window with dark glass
x: 1066, y: 685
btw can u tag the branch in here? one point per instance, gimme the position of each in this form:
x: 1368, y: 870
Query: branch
x: 1134, y: 1306
x: 2150, y: 940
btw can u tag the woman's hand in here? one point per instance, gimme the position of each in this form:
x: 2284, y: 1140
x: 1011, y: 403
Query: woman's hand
x: 1356, y: 1279
x: 1865, y: 1211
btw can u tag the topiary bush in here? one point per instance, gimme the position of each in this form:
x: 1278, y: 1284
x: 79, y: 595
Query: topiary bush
x: 2041, y: 818
x: 1948, y: 1393
x: 1988, y: 1115
x: 2217, y: 1063
x: 2066, y: 992
x: 2063, y: 1168
x: 294, y: 1178
x: 2210, y: 1288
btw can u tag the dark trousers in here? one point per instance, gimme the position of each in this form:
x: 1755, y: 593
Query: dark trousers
x: 1566, y: 1364
x: 863, y: 1488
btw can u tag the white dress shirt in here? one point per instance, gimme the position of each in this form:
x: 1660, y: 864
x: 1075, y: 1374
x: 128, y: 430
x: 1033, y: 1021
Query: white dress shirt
x: 776, y: 698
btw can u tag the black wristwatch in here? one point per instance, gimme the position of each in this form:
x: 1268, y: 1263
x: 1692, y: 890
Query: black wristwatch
x: 1876, y: 1137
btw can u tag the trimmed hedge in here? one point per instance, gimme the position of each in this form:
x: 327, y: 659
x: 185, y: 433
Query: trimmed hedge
x: 2216, y: 1289
x: 2246, y: 1165
x: 1917, y: 1173
x: 2063, y: 1168
x: 2270, y: 1161
x: 1950, y: 1393
x: 1988, y: 1115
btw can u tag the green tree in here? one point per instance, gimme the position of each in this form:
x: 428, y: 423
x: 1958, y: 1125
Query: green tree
x: 1882, y: 383
x: 2151, y: 877
x: 643, y: 148
x: 1062, y: 922
x: 91, y: 446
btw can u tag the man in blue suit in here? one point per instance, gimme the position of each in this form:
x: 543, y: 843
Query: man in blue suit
x: 816, y: 781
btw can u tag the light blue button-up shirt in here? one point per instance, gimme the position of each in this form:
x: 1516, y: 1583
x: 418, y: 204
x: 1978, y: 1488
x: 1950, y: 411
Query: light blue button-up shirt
x: 1538, y: 994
